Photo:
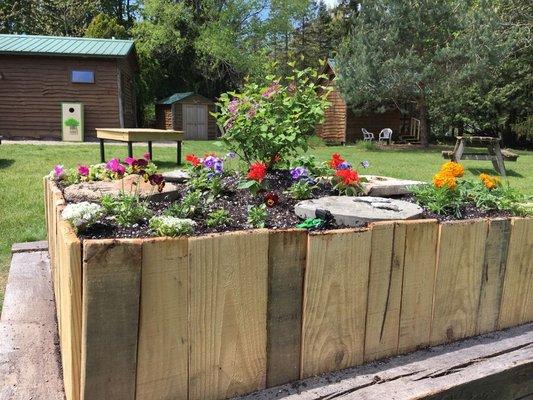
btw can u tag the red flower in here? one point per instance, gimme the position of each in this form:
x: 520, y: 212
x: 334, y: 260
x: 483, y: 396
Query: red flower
x: 349, y: 176
x: 336, y: 160
x: 192, y: 159
x: 257, y: 171
x: 271, y: 199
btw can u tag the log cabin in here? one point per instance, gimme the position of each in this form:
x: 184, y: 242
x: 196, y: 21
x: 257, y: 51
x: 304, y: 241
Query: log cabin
x: 40, y: 73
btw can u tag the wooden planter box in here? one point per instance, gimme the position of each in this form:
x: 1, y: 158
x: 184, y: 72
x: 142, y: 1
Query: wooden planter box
x: 215, y: 316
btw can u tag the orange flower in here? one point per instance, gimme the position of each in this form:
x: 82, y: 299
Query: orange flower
x: 452, y: 168
x: 490, y: 182
x: 442, y: 179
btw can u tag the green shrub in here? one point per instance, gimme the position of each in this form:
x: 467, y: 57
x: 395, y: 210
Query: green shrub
x: 218, y: 218
x: 165, y: 225
x: 126, y: 209
x: 257, y: 216
x: 188, y: 207
x: 300, y: 190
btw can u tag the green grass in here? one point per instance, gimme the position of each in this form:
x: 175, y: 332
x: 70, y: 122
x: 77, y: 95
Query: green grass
x: 23, y: 166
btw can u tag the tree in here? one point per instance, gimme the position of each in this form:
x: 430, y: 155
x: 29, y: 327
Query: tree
x: 397, y: 53
x: 104, y: 26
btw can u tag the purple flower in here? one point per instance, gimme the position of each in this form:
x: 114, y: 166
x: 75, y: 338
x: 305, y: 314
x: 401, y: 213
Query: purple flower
x: 231, y: 155
x: 299, y: 172
x: 83, y: 170
x: 129, y: 160
x: 58, y: 171
x: 271, y: 90
x: 219, y: 166
x: 209, y: 161
x: 233, y: 106
x: 365, y: 164
x: 147, y: 156
x: 344, y: 165
x: 114, y: 165
x: 251, y: 113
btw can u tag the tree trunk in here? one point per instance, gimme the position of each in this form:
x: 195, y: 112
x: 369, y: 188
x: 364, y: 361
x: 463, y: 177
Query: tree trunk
x: 423, y: 123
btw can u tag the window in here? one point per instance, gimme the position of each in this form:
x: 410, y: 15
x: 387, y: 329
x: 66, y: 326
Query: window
x: 82, y: 77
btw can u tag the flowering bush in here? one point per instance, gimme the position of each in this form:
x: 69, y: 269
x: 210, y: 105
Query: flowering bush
x: 274, y: 119
x: 165, y: 225
x: 82, y: 215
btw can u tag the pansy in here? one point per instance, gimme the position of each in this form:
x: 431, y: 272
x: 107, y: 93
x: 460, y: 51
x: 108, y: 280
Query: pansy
x: 129, y: 160
x: 299, y: 172
x: 59, y: 171
x: 365, y: 164
x: 231, y: 155
x: 271, y: 199
x: 209, y: 161
x: 157, y: 180
x: 218, y: 167
x: 83, y: 170
x: 115, y: 166
x: 344, y: 165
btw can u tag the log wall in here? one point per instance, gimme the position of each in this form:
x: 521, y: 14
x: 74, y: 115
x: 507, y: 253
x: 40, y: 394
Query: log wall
x: 219, y: 315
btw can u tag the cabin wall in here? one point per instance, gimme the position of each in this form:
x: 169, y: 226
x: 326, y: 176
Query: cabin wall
x: 333, y: 129
x: 177, y: 110
x: 32, y: 89
x: 127, y: 70
x: 372, y: 122
x: 163, y: 116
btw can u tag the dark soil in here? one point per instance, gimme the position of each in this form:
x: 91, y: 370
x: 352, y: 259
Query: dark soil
x: 237, y: 201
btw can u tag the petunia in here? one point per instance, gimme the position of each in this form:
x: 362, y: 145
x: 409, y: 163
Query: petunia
x: 59, y: 171
x: 129, y: 160
x: 344, y: 165
x: 365, y: 164
x: 83, y: 170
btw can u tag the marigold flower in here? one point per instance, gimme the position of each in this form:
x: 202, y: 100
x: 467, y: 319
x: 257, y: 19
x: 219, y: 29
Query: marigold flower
x: 271, y: 199
x: 336, y: 160
x: 453, y: 168
x: 192, y: 159
x: 442, y: 179
x: 257, y: 172
x: 349, y: 176
x: 490, y: 182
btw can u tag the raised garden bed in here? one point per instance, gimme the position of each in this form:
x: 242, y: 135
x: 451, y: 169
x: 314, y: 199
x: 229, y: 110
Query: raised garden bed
x: 213, y: 316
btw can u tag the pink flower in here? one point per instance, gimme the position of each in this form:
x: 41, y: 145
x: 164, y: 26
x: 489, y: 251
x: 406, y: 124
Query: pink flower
x: 271, y: 90
x: 115, y: 166
x: 58, y: 171
x: 147, y: 157
x: 129, y: 160
x: 233, y: 106
x: 83, y: 170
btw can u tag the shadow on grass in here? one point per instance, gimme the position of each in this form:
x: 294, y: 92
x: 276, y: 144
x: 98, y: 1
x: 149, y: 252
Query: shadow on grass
x: 492, y: 171
x: 169, y: 164
x: 5, y: 163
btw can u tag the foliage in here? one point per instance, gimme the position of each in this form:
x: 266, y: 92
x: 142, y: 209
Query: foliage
x: 440, y: 200
x: 188, y: 207
x: 126, y: 209
x: 218, y: 218
x: 257, y: 216
x: 82, y: 215
x: 272, y: 120
x: 165, y: 225
x: 300, y: 190
x: 107, y: 27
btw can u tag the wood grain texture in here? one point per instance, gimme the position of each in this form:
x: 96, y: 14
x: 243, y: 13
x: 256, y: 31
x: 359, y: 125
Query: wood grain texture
x: 418, y: 280
x: 110, y: 319
x: 458, y: 280
x: 517, y: 296
x: 496, y: 247
x: 228, y: 309
x: 69, y: 269
x: 384, y: 290
x: 286, y: 264
x: 335, y: 297
x: 162, y: 361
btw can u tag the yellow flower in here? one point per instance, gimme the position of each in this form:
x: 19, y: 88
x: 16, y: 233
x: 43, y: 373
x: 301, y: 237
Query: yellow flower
x: 452, y: 168
x: 490, y: 182
x: 444, y: 179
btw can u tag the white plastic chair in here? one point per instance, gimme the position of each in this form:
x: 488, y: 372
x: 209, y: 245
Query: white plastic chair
x: 367, y: 136
x: 385, y: 134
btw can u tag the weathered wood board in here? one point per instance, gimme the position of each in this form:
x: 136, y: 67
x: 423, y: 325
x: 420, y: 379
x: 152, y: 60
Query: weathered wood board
x: 335, y: 299
x: 228, y: 310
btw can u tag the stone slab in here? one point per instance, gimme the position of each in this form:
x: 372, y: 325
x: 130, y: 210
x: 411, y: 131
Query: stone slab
x: 29, y: 343
x: 93, y: 191
x: 352, y: 211
x: 384, y: 186
x: 177, y: 176
x: 41, y: 245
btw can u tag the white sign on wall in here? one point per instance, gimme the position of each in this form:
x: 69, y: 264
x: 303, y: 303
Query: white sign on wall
x: 72, y: 122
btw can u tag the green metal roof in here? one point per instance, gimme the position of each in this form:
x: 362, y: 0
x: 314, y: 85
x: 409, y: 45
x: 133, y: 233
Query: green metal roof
x: 64, y: 46
x: 175, y: 97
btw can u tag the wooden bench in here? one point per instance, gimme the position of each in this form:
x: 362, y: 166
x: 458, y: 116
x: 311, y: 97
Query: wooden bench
x: 507, y: 155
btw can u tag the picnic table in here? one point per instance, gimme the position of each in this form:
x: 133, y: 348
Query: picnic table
x: 494, y: 152
x: 131, y: 135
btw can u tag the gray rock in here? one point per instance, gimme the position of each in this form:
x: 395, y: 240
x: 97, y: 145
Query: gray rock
x: 93, y: 191
x: 384, y: 186
x: 352, y: 211
x: 177, y: 175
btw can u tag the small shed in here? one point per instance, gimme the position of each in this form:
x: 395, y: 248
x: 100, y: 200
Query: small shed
x: 38, y: 74
x: 188, y: 112
x: 341, y: 125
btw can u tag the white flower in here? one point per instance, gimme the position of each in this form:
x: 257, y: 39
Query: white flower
x: 166, y: 225
x: 82, y: 215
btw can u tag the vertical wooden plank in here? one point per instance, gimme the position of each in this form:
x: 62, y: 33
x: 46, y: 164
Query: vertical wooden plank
x: 384, y: 290
x: 418, y: 280
x: 335, y: 296
x: 496, y: 246
x: 162, y: 361
x: 110, y: 317
x: 69, y: 268
x: 458, y: 280
x: 517, y: 296
x: 286, y: 264
x: 228, y: 308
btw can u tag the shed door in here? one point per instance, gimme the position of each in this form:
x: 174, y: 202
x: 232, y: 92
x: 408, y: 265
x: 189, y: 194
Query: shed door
x: 195, y: 121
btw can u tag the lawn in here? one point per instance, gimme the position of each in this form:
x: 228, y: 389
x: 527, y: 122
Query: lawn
x: 22, y: 167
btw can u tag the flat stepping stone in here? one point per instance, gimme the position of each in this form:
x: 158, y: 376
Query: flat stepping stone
x: 352, y: 211
x: 383, y: 186
x: 177, y: 175
x: 93, y: 191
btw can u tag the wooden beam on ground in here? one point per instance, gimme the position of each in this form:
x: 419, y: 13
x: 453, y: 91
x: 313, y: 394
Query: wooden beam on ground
x: 498, y: 366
